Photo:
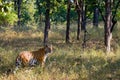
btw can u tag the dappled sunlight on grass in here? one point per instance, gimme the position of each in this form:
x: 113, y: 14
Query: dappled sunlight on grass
x: 68, y: 61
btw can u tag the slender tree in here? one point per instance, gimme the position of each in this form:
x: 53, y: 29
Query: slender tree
x: 83, y: 15
x: 108, y: 21
x: 81, y: 9
x: 47, y: 22
x: 84, y: 26
x: 83, y: 21
x: 78, y: 9
x: 19, y: 10
x: 68, y: 22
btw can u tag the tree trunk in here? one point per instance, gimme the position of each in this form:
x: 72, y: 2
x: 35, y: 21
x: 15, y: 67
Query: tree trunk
x: 84, y: 26
x: 68, y: 22
x: 108, y: 21
x: 79, y: 29
x: 47, y: 22
x: 78, y: 9
x: 95, y: 16
x: 19, y: 11
x: 15, y: 5
x: 83, y: 16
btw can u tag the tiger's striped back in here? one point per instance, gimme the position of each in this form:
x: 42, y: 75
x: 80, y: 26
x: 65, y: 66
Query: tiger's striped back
x: 39, y: 55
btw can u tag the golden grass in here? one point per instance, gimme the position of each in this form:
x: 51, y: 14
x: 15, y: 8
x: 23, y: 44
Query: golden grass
x: 68, y: 61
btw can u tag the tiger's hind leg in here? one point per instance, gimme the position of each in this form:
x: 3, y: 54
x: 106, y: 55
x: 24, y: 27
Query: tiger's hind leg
x: 33, y: 62
x: 18, y: 62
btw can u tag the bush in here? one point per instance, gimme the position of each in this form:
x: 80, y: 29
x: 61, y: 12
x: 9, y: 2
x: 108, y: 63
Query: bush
x: 7, y: 18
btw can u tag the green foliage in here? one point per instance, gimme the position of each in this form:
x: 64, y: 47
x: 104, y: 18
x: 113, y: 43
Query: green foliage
x: 7, y: 14
x: 34, y: 10
x: 118, y: 15
x: 7, y: 18
x: 27, y: 11
x: 25, y: 17
x: 59, y: 14
x: 39, y: 10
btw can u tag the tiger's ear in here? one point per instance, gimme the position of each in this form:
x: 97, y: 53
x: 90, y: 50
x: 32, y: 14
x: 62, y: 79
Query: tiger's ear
x: 46, y: 45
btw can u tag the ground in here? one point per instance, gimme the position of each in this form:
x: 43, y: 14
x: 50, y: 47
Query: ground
x: 67, y: 62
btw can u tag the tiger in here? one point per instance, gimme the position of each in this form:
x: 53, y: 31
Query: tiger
x: 31, y: 58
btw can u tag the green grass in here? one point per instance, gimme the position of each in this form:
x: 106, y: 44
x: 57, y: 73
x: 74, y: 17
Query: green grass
x: 68, y: 61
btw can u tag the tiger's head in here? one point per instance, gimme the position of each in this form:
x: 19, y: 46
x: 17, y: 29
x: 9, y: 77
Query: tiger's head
x: 48, y: 49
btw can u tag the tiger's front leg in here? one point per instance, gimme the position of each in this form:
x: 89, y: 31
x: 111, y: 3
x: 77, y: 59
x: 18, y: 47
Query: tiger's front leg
x: 44, y: 60
x: 43, y: 64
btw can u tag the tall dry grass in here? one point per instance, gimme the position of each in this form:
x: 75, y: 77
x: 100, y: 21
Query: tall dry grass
x: 68, y: 61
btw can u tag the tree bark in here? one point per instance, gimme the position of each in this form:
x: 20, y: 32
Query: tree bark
x: 68, y: 22
x: 78, y: 9
x: 47, y: 22
x: 83, y: 15
x: 79, y: 29
x: 84, y: 26
x: 19, y: 11
x: 108, y: 21
x: 95, y: 16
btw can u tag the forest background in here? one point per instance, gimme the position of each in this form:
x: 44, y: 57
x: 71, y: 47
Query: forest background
x: 84, y: 34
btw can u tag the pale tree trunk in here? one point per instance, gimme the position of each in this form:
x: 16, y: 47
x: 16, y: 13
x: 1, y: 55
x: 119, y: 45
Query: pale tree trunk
x: 108, y: 47
x: 108, y: 21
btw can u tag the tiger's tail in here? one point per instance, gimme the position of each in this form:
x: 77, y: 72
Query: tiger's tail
x: 18, y: 62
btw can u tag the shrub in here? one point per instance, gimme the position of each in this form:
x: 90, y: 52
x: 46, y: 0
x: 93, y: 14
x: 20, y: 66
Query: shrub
x: 7, y: 18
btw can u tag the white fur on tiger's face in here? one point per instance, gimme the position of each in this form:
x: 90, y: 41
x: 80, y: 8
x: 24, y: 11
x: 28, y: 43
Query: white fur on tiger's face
x: 32, y: 58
